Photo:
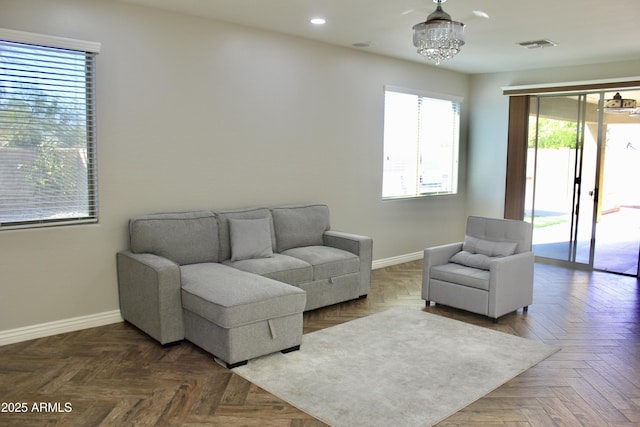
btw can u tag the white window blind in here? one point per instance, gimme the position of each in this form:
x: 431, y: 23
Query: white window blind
x: 47, y: 132
x: 421, y: 139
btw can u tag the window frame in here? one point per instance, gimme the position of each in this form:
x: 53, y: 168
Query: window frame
x: 422, y: 142
x: 89, y: 50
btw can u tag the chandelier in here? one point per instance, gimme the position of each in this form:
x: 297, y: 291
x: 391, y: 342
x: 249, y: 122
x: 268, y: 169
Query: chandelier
x: 438, y: 38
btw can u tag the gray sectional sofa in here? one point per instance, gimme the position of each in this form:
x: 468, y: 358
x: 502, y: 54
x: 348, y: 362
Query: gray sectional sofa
x: 236, y: 282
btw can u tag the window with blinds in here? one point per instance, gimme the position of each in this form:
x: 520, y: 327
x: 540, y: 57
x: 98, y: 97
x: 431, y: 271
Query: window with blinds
x: 47, y: 132
x: 421, y: 140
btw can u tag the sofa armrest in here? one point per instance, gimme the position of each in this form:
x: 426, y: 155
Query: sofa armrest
x: 511, y: 283
x: 436, y: 255
x: 358, y: 245
x: 150, y: 295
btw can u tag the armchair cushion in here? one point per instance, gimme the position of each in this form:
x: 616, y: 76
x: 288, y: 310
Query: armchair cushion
x: 489, y: 248
x: 250, y: 238
x: 461, y: 275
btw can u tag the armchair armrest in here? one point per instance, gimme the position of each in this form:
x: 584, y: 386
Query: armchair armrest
x: 510, y: 283
x: 358, y: 245
x: 439, y: 255
x: 150, y: 295
x: 436, y: 255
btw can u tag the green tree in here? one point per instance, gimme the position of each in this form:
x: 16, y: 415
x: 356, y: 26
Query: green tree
x: 49, y: 173
x: 552, y: 133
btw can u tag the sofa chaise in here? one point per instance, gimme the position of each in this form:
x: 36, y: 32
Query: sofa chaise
x: 236, y: 282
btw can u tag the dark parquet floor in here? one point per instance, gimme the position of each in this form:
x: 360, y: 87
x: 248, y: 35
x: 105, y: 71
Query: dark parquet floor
x: 116, y: 376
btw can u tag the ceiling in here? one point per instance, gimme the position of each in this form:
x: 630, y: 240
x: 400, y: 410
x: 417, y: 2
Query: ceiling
x: 586, y: 31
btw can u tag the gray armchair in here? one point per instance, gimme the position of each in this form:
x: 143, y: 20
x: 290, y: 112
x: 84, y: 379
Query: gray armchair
x: 490, y: 273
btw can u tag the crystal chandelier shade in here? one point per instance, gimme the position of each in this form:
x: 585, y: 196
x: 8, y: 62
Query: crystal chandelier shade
x: 438, y: 38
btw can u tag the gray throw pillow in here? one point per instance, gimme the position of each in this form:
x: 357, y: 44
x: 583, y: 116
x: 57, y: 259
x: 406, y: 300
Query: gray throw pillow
x: 250, y: 238
x: 489, y: 248
x: 472, y: 260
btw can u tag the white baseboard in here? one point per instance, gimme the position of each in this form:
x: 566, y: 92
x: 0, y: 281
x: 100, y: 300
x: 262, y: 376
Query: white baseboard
x: 387, y: 262
x: 59, y: 327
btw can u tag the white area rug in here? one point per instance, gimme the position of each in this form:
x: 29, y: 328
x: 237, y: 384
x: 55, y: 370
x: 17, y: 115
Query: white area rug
x: 401, y: 367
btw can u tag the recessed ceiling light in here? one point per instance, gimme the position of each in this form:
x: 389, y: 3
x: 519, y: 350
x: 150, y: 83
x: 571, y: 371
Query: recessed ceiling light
x: 318, y: 21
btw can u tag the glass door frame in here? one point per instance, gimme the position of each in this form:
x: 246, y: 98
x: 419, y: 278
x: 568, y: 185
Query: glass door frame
x: 578, y: 183
x: 602, y: 188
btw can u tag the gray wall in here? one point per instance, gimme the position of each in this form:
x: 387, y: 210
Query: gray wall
x: 196, y: 114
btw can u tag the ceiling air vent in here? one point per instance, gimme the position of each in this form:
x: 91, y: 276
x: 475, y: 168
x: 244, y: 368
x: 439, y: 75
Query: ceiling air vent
x: 535, y: 44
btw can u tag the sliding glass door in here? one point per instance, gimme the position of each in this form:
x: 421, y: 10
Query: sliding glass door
x: 582, y: 193
x: 617, y: 237
x: 561, y: 176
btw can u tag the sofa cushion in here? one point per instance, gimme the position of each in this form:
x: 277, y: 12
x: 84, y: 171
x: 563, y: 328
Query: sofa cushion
x: 184, y: 238
x: 223, y: 226
x: 473, y: 260
x: 250, y: 238
x: 475, y: 245
x: 327, y: 262
x: 279, y: 267
x: 301, y: 225
x: 463, y: 275
x: 230, y: 297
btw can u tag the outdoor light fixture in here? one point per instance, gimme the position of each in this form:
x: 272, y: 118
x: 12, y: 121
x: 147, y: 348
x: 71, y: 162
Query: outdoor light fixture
x: 438, y: 38
x: 618, y: 104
